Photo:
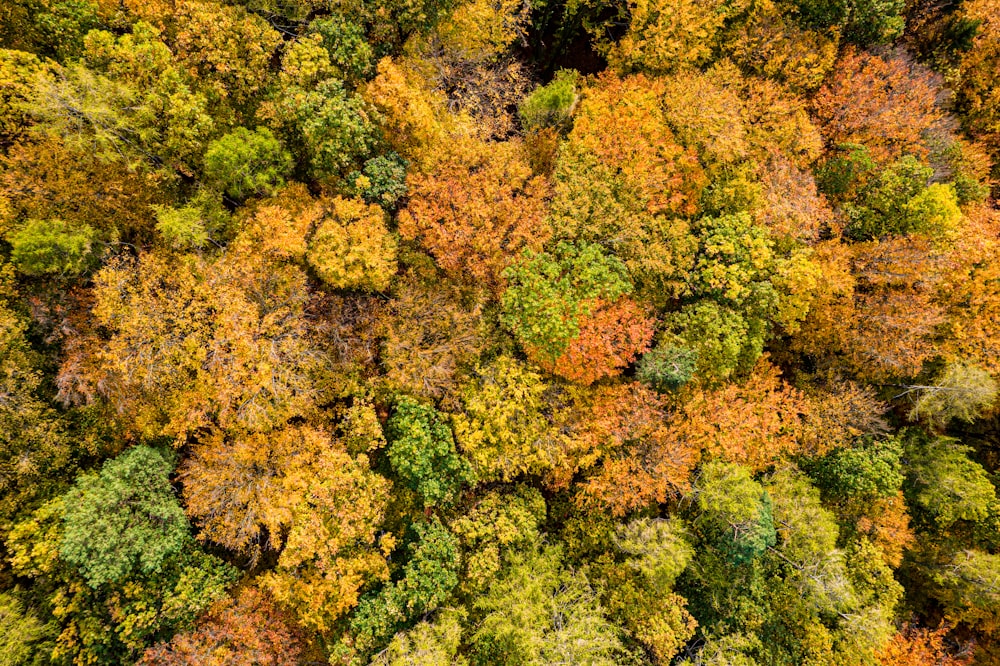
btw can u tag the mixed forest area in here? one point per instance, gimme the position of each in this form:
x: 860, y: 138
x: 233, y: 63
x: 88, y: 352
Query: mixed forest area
x: 499, y: 332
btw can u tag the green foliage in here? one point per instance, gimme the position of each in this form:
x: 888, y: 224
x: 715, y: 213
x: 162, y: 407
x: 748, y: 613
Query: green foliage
x: 550, y: 293
x: 336, y: 128
x: 969, y: 587
x: 422, y: 452
x: 538, y: 612
x: 946, y: 485
x: 862, y: 21
x: 36, y: 453
x: 245, y: 163
x: 667, y: 367
x: 429, y: 576
x: 659, y: 550
x: 551, y: 105
x: 345, y: 41
x: 868, y: 470
x: 53, y: 247
x: 961, y: 392
x: 725, y: 342
x: 19, y: 630
x: 735, y: 260
x: 736, y: 510
x: 195, y: 223
x: 497, y: 525
x: 125, y: 520
x: 382, y: 180
x: 430, y: 643
x: 898, y: 200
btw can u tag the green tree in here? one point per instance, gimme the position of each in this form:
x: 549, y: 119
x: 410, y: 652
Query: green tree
x: 735, y: 511
x: 549, y: 295
x: 959, y: 391
x: 945, y: 484
x: 422, y: 452
x: 124, y: 520
x: 54, y: 247
x: 868, y: 470
x: 244, y: 163
x: 538, y: 612
x: 667, y: 367
x: 20, y: 632
x: 551, y: 105
x: 429, y: 576
x: 334, y: 128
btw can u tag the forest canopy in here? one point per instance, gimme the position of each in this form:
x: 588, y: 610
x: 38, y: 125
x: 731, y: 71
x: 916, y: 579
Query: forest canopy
x: 499, y: 332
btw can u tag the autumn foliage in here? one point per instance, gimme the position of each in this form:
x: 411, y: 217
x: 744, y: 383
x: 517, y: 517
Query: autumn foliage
x: 496, y: 332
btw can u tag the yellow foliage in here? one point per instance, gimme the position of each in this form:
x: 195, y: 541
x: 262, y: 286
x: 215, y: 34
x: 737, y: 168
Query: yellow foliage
x: 352, y: 247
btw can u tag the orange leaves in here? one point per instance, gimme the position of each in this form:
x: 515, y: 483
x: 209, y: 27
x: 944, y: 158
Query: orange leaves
x: 195, y: 343
x: 621, y: 124
x: 249, y: 630
x: 754, y: 424
x: 885, y: 104
x: 917, y: 646
x: 610, y: 338
x: 642, y: 461
x: 478, y: 210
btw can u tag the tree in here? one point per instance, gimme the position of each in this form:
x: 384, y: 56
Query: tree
x: 967, y: 588
x: 774, y: 44
x: 429, y: 333
x: 429, y: 643
x: 914, y: 646
x: 333, y: 128
x: 478, y: 210
x: 496, y: 527
x: 538, y: 612
x: 503, y: 427
x: 18, y: 71
x: 735, y: 511
x: 945, y: 484
x: 549, y: 295
x: 610, y: 338
x: 36, y: 452
x: 51, y: 247
x: 976, y: 90
x: 884, y: 104
x: 960, y: 392
x: 19, y: 630
x: 659, y: 551
x: 667, y: 367
x: 246, y: 163
x: 754, y: 424
x: 664, y: 36
x: 296, y: 492
x: 352, y: 248
x: 228, y: 48
x: 197, y: 342
x: 552, y: 105
x: 245, y: 630
x: 428, y: 578
x: 335, y: 505
x: 49, y: 179
x: 422, y: 452
x: 622, y: 434
x: 125, y: 520
x: 622, y: 179
x: 116, y: 621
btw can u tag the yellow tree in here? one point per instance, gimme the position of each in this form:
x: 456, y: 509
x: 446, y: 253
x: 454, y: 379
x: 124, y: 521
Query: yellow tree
x: 299, y: 492
x: 195, y: 342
